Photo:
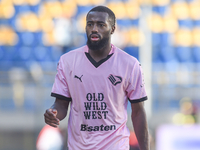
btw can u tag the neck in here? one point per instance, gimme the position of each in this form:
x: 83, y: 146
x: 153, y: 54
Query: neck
x: 98, y: 55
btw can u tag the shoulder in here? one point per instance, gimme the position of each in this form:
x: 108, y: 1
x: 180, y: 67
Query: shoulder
x: 71, y: 57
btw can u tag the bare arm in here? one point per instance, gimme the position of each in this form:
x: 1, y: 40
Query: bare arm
x: 57, y: 112
x: 139, y: 121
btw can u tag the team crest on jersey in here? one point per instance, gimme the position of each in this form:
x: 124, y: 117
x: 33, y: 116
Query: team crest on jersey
x: 115, y: 79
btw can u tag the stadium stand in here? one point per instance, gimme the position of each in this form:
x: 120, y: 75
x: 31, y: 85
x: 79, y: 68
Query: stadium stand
x: 27, y: 31
x: 29, y: 53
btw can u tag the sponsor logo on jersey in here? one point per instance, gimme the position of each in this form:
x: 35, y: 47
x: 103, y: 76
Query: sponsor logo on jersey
x: 115, y: 79
x: 78, y: 77
x: 86, y: 127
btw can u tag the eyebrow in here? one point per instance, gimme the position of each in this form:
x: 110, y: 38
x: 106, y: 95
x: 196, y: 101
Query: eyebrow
x: 97, y: 22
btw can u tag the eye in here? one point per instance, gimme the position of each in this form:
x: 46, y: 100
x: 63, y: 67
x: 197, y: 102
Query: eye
x: 89, y: 24
x: 101, y: 25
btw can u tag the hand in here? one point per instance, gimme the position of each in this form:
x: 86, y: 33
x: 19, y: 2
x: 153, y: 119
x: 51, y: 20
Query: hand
x: 50, y: 117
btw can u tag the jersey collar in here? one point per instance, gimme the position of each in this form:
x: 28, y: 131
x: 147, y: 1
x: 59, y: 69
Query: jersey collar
x: 97, y: 64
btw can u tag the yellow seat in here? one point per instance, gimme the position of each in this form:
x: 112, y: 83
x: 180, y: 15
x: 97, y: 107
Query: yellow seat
x: 33, y: 2
x: 132, y: 10
x: 194, y: 9
x: 136, y: 37
x: 7, y: 36
x: 28, y: 22
x: 48, y: 39
x: 156, y: 23
x: 119, y: 9
x: 97, y: 2
x: 7, y: 9
x: 183, y: 37
x: 181, y: 10
x: 21, y: 23
x: 83, y: 2
x: 46, y: 23
x: 81, y: 21
x: 196, y: 36
x: 133, y: 36
x: 170, y: 23
x: 32, y: 23
x: 143, y: 2
x: 1, y: 12
x: 69, y: 8
x: 160, y: 2
x: 54, y: 8
x: 19, y: 2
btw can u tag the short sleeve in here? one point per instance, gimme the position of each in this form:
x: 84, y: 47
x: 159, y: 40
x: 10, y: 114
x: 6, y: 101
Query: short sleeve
x: 60, y: 87
x: 136, y: 90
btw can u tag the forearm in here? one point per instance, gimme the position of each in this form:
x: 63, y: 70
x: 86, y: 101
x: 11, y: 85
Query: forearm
x: 141, y: 129
x: 62, y: 107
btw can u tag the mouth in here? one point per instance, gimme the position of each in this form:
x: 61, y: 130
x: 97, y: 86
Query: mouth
x: 94, y: 37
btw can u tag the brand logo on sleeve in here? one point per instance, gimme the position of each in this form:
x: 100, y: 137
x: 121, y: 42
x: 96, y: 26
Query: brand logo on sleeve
x: 78, y: 77
x: 115, y: 79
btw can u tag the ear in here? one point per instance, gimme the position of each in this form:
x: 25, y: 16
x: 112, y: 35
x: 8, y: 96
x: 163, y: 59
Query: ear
x: 113, y: 29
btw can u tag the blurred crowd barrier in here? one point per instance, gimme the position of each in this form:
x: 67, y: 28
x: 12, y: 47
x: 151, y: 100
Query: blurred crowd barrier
x: 35, y: 33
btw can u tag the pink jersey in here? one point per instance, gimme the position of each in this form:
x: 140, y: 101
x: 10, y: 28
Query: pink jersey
x: 99, y: 94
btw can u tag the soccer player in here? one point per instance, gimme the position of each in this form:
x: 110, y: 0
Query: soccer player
x: 97, y: 81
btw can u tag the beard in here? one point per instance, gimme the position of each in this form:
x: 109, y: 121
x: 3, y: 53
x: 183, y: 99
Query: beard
x: 98, y: 44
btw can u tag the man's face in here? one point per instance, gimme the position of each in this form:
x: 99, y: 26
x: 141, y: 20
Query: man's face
x: 98, y: 30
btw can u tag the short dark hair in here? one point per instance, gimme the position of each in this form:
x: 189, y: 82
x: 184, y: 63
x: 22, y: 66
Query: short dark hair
x: 106, y: 10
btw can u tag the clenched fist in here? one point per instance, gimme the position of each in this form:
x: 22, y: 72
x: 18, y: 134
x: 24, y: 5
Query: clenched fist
x: 50, y: 117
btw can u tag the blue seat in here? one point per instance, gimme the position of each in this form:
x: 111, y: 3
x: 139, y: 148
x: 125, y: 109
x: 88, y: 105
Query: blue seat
x: 184, y: 54
x: 173, y: 1
x: 38, y: 38
x: 41, y: 53
x: 83, y: 10
x: 161, y: 39
x: 22, y: 8
x: 196, y: 54
x: 2, y: 53
x: 165, y: 39
x: 56, y: 52
x: 4, y: 22
x: 6, y: 65
x: 155, y: 54
x: 196, y: 23
x: 186, y: 23
x: 6, y: 58
x: 127, y: 22
x: 27, y: 39
x: 132, y: 50
x: 12, y: 22
x: 10, y: 53
x: 167, y: 53
x: 25, y: 53
x: 7, y: 104
x: 156, y: 38
x: 13, y: 58
x: 174, y: 104
x: 35, y: 8
x: 161, y: 10
x: 29, y: 99
x: 135, y: 22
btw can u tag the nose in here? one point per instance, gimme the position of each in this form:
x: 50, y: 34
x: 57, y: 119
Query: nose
x: 95, y: 28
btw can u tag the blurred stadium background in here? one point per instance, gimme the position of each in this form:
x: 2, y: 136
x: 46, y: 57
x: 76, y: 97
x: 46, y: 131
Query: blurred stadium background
x: 163, y: 34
